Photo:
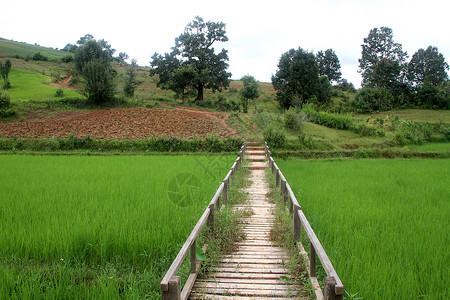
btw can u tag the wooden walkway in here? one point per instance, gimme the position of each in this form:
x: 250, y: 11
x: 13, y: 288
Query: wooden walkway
x: 257, y: 268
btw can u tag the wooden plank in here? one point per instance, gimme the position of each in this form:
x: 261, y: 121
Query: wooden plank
x: 223, y: 297
x: 244, y: 280
x: 245, y: 275
x: 265, y: 260
x: 250, y: 270
x: 252, y: 292
x: 244, y: 286
x: 258, y: 256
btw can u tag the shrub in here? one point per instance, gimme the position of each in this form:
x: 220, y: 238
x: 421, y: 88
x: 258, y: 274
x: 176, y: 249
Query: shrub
x: 275, y: 138
x: 5, y: 100
x: 370, y: 99
x: 59, y: 93
x: 38, y: 56
x: 293, y: 120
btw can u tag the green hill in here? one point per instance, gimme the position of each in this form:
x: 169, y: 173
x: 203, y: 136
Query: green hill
x: 10, y: 48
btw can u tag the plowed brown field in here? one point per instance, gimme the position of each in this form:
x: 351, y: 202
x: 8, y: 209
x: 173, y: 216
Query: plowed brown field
x: 138, y: 123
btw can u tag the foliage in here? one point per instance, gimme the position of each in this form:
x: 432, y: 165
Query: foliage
x: 293, y: 120
x: 370, y: 99
x: 93, y: 63
x: 297, y: 78
x: 131, y: 81
x: 428, y: 65
x: 383, y: 61
x: 250, y: 91
x: 434, y: 97
x: 193, y: 63
x: 329, y: 65
x: 39, y: 57
x: 275, y: 137
x: 161, y: 144
x: 4, y: 73
x: 5, y: 100
x: 59, y: 93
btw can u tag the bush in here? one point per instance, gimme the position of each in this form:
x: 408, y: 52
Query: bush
x: 275, y: 138
x: 293, y: 120
x: 5, y: 100
x: 39, y: 57
x: 370, y: 99
x: 59, y: 93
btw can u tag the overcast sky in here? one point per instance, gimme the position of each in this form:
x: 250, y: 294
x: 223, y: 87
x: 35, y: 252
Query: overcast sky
x: 258, y: 31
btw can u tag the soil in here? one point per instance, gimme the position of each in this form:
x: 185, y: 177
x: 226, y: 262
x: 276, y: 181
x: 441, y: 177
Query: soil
x: 136, y: 123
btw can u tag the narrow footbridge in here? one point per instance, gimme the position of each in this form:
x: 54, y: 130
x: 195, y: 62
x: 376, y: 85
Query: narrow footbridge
x: 257, y: 269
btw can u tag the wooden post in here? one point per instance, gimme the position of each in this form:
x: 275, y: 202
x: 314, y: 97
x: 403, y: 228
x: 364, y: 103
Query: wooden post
x: 291, y: 205
x: 296, y: 224
x: 174, y: 291
x: 225, y: 191
x: 283, y: 190
x: 312, y: 260
x: 211, y: 218
x: 329, y: 289
x: 277, y: 176
x: 194, y: 256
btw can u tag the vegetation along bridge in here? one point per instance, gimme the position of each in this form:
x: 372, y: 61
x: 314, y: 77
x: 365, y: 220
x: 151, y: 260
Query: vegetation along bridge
x: 257, y: 268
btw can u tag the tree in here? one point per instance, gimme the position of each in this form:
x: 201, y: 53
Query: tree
x: 193, y: 54
x: 4, y: 73
x: 329, y: 65
x: 427, y: 65
x: 250, y: 91
x: 383, y: 62
x: 297, y: 78
x: 93, y: 64
x: 122, y: 57
x: 131, y: 81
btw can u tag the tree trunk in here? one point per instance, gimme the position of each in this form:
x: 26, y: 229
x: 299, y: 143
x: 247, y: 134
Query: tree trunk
x: 199, y: 92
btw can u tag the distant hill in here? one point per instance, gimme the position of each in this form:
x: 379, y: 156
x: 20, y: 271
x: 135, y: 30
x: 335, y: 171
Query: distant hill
x: 15, y: 49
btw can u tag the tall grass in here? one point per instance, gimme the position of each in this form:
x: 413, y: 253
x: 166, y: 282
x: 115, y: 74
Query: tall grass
x: 97, y: 227
x: 384, y: 224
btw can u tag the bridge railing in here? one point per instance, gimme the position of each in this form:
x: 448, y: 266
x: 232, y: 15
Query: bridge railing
x: 171, y: 283
x: 334, y: 289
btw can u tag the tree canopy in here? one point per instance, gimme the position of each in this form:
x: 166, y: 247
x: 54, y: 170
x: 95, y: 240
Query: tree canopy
x: 427, y: 65
x: 383, y: 61
x: 93, y: 64
x: 297, y: 78
x: 193, y: 62
x: 250, y: 91
x: 329, y: 65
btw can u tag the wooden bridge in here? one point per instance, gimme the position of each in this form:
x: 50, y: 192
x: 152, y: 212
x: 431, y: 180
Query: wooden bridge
x: 257, y: 269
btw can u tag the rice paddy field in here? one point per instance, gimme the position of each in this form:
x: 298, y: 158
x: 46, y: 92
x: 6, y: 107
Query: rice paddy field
x: 98, y: 227
x: 384, y: 223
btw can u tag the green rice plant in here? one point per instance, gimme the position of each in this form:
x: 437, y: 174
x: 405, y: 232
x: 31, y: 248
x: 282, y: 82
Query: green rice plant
x: 98, y: 227
x: 383, y: 223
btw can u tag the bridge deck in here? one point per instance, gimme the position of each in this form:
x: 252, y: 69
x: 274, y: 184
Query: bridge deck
x: 257, y: 269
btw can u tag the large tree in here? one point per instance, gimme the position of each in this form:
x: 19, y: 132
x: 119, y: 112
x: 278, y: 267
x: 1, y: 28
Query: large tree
x: 329, y: 65
x: 193, y: 62
x: 93, y: 64
x: 297, y: 78
x: 383, y: 61
x: 427, y: 65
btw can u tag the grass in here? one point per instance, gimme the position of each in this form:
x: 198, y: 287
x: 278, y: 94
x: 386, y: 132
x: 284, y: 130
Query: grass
x: 420, y: 115
x: 440, y: 147
x: 98, y: 227
x: 27, y: 85
x: 12, y: 48
x: 383, y: 223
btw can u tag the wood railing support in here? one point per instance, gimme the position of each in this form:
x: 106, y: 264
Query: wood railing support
x: 194, y: 257
x: 212, y: 217
x: 296, y: 223
x: 174, y: 292
x: 312, y: 260
x: 330, y: 289
x: 225, y: 192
